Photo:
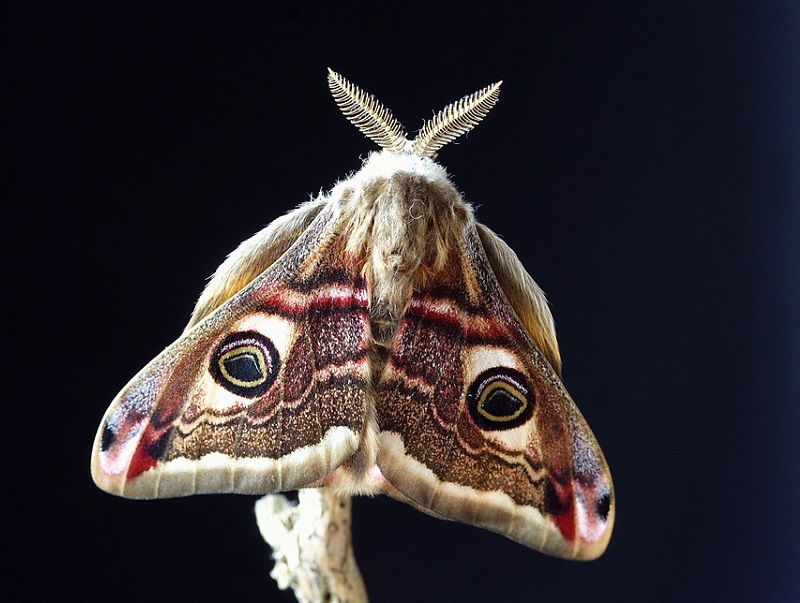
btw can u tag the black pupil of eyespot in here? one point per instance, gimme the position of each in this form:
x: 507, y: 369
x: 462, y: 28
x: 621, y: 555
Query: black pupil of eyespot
x: 500, y: 403
x: 244, y: 367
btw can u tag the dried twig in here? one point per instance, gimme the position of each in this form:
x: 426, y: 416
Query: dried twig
x: 312, y: 546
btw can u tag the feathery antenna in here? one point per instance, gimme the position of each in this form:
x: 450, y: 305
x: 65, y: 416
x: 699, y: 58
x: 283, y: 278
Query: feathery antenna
x: 455, y: 119
x: 367, y: 113
x: 376, y: 121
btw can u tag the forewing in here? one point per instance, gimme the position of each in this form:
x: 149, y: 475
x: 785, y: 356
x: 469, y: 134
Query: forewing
x: 266, y: 393
x: 477, y: 427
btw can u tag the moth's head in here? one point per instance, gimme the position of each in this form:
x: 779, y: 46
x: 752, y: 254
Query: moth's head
x: 384, y: 164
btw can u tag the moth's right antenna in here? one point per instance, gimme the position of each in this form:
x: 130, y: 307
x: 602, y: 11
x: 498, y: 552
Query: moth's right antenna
x: 455, y: 119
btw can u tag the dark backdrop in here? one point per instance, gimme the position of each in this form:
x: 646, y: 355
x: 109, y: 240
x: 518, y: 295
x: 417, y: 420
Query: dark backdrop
x: 643, y: 161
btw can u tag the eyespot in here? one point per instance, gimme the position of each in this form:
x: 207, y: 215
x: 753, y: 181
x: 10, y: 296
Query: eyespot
x: 500, y: 398
x: 245, y: 364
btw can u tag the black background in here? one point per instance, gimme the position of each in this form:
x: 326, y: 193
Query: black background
x: 643, y: 161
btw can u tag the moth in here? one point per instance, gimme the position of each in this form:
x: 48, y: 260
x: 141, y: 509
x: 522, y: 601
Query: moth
x: 376, y: 339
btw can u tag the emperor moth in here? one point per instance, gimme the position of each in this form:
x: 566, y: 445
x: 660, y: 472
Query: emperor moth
x: 376, y: 339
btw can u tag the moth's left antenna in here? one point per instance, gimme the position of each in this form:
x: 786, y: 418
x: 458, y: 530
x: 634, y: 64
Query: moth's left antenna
x: 367, y: 114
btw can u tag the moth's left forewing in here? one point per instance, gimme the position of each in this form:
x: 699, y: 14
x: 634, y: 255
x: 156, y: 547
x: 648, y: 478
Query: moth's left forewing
x: 257, y: 396
x: 253, y: 256
x: 476, y: 424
